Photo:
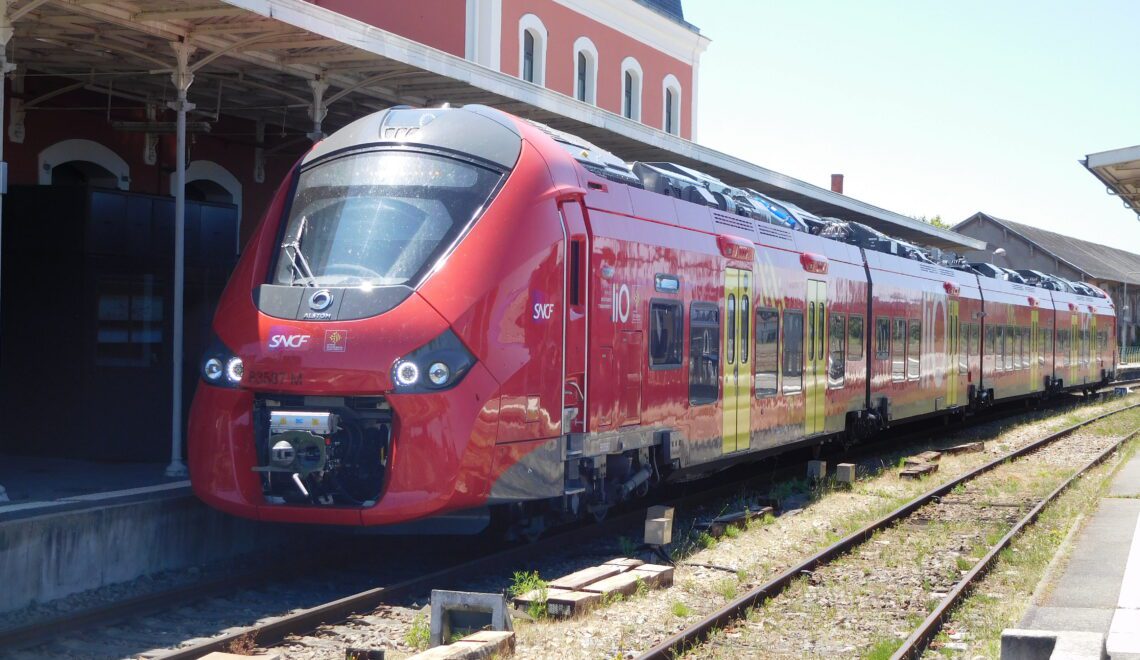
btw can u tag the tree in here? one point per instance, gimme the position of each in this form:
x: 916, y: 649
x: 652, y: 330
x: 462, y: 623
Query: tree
x: 936, y: 221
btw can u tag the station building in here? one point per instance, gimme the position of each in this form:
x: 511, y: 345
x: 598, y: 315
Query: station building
x: 1115, y: 271
x: 109, y: 104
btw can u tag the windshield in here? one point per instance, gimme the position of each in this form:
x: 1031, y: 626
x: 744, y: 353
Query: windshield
x: 377, y: 218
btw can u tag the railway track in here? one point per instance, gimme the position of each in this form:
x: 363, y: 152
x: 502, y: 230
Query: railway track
x: 330, y: 596
x: 919, y: 510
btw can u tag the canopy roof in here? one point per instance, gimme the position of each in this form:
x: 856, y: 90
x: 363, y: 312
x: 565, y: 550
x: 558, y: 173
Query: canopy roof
x: 262, y: 59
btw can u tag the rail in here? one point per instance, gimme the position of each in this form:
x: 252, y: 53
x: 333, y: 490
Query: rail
x: 737, y: 609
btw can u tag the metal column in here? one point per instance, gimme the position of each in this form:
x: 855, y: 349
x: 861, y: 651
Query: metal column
x: 182, y: 78
x: 6, y: 31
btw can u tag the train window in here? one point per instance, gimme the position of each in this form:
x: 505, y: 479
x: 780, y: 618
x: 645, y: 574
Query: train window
x: 793, y: 351
x: 1013, y: 341
x: 1025, y: 346
x: 704, y: 353
x: 575, y: 269
x: 963, y: 346
x: 836, y: 359
x: 767, y: 351
x: 975, y: 338
x: 811, y: 332
x: 1001, y: 361
x: 666, y: 337
x: 730, y: 340
x: 914, y: 350
x: 1102, y: 339
x: 991, y: 345
x: 745, y: 319
x: 854, y: 337
x: 882, y: 338
x: 898, y: 350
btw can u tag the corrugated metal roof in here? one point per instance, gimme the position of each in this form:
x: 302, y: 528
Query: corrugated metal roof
x: 1098, y: 261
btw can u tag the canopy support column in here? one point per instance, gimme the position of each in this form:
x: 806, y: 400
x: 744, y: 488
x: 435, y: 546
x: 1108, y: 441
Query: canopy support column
x: 182, y: 78
x: 6, y: 31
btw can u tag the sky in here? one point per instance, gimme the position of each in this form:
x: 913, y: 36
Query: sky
x: 931, y: 108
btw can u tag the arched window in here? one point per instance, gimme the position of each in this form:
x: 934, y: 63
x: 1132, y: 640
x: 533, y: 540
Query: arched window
x: 532, y: 50
x: 585, y: 70
x: 631, y: 78
x: 83, y: 162
x: 671, y: 106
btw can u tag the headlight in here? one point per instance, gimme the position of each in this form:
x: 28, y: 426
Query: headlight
x: 445, y: 361
x: 220, y: 366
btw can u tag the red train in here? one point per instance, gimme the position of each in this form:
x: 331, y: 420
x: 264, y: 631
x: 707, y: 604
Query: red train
x: 449, y: 313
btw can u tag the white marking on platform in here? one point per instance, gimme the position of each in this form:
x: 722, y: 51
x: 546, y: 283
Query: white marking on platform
x: 112, y: 494
x: 94, y: 497
x: 1124, y: 633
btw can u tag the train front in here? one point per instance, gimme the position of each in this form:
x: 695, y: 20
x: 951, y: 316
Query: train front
x: 340, y: 389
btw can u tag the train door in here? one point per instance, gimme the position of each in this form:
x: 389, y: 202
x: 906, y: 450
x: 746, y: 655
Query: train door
x: 953, y: 345
x: 816, y: 357
x: 1094, y: 349
x: 575, y: 308
x: 736, y: 360
x: 1034, y: 340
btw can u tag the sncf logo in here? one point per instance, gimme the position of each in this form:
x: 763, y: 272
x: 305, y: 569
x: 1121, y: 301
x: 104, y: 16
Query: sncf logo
x: 283, y: 341
x: 543, y: 311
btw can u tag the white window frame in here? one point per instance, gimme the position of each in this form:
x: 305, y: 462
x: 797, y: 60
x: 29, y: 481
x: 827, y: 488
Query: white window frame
x: 633, y: 67
x: 584, y: 45
x: 538, y: 30
x: 67, y: 151
x: 671, y: 83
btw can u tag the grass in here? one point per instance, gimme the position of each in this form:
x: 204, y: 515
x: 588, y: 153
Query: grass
x: 418, y: 635
x: 726, y: 588
x: 524, y: 582
x: 883, y: 648
x: 680, y: 610
x: 732, y: 531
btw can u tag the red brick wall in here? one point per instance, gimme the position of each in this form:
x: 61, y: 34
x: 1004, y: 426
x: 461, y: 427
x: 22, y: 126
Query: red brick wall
x: 564, y: 26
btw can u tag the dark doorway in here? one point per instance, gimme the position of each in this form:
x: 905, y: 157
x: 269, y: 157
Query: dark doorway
x: 87, y: 316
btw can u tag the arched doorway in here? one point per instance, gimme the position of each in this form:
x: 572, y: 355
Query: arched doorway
x: 83, y: 162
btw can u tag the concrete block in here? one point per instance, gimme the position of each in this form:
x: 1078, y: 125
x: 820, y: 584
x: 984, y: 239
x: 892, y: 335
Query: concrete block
x: 968, y: 448
x: 659, y: 511
x: 917, y: 471
x: 659, y: 531
x: 622, y: 583
x: 579, y: 579
x: 656, y: 576
x: 929, y: 456
x: 1020, y: 644
x: 625, y: 563
x: 1027, y: 644
x: 817, y: 470
x: 845, y: 473
x: 524, y: 601
x: 465, y: 609
x: 476, y: 646
x: 572, y: 603
x: 736, y: 519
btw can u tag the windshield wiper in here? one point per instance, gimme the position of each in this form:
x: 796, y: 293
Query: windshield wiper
x: 297, y: 259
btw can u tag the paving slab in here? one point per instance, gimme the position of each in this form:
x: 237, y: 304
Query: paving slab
x: 1127, y: 481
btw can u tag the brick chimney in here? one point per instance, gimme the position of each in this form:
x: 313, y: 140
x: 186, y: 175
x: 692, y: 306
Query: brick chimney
x: 837, y: 183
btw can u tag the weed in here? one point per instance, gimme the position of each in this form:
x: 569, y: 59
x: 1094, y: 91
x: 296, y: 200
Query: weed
x: 627, y: 546
x: 726, y: 588
x: 611, y: 598
x: 244, y: 644
x: 680, y: 609
x: 706, y: 540
x: 964, y: 564
x: 732, y: 531
x: 883, y: 648
x: 524, y: 582
x: 642, y: 588
x: 419, y: 634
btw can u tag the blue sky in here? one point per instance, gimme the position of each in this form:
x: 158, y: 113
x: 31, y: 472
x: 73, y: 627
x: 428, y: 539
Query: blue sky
x: 931, y: 108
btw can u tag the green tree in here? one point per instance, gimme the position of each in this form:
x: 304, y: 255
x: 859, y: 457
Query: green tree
x: 937, y: 221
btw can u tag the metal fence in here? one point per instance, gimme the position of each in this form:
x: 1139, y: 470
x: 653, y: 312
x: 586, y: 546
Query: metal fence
x: 1130, y: 355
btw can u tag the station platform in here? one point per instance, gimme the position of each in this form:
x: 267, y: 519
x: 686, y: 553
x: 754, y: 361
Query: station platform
x: 1090, y: 603
x: 71, y: 526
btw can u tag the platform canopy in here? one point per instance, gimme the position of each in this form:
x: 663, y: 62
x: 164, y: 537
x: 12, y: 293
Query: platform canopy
x: 271, y: 59
x: 1119, y: 171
